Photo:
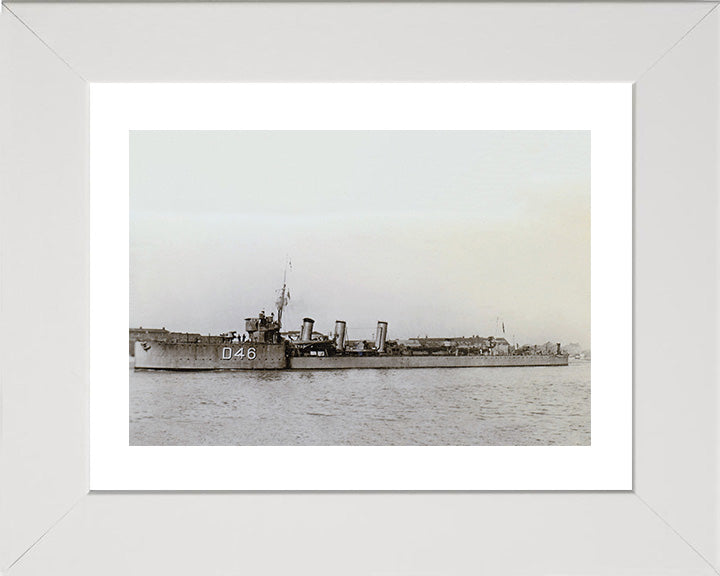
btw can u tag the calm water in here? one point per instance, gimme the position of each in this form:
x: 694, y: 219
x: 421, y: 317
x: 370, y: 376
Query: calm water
x: 446, y: 406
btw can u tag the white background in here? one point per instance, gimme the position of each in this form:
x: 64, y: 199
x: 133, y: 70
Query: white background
x: 605, y: 109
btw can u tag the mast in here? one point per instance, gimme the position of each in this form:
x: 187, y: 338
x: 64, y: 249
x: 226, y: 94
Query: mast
x: 281, y: 302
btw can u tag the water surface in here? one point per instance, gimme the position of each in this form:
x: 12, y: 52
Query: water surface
x: 424, y: 406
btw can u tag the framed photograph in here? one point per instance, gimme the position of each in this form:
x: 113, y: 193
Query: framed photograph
x: 342, y: 271
x: 216, y: 193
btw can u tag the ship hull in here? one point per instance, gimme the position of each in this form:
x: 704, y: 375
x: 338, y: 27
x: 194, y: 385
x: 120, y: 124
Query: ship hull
x: 349, y: 362
x: 156, y: 355
x: 266, y: 356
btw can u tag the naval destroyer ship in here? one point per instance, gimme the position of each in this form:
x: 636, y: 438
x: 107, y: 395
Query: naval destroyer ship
x: 263, y: 346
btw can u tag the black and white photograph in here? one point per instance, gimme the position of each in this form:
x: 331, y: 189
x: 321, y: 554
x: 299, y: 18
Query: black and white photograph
x: 360, y: 288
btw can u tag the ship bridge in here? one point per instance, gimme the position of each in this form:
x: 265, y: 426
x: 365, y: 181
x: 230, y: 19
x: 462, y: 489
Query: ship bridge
x: 263, y: 329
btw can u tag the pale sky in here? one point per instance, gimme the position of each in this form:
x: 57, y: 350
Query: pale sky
x: 437, y: 233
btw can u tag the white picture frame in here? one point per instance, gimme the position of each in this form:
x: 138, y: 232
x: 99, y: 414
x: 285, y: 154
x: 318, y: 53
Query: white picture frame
x: 668, y: 523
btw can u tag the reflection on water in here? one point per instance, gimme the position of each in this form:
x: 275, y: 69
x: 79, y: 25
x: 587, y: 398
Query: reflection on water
x: 433, y: 406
